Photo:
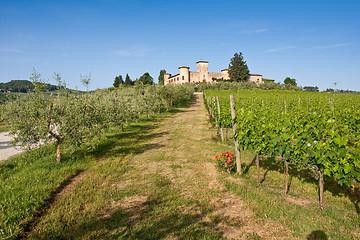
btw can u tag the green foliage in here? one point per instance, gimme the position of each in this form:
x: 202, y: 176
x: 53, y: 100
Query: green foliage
x: 290, y: 81
x: 118, y: 81
x: 161, y: 77
x: 22, y: 86
x: 308, y: 129
x: 268, y: 81
x: 128, y: 81
x: 310, y: 89
x: 86, y: 80
x: 61, y: 84
x: 77, y: 120
x: 146, y: 79
x: 238, y: 69
x: 5, y: 97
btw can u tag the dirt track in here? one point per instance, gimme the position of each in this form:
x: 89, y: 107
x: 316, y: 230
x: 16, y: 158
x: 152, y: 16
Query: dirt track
x: 171, y: 175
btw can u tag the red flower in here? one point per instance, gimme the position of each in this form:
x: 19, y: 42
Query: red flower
x: 228, y: 161
x: 220, y: 157
x: 216, y: 156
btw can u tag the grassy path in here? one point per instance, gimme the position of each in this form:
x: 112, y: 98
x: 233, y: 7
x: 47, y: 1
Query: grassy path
x: 156, y: 181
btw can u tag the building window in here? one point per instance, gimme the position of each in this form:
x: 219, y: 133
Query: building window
x: 183, y: 78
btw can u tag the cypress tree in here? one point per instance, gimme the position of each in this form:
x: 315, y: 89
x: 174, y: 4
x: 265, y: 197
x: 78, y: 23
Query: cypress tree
x: 238, y: 69
x: 128, y: 80
x: 161, y: 77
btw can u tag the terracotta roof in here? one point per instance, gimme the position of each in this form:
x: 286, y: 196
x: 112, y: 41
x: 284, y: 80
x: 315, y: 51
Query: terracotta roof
x: 255, y: 75
x: 202, y: 62
x: 184, y: 67
x: 225, y: 69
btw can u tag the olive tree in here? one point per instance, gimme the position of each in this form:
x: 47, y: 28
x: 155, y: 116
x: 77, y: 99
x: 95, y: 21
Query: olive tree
x: 38, y: 119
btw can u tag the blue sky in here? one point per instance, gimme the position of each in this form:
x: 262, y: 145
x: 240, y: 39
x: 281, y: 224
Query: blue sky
x: 316, y: 42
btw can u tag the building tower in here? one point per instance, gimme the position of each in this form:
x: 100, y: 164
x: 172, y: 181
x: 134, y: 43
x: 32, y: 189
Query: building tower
x: 225, y: 74
x: 202, y: 69
x: 184, y: 74
x: 166, y: 78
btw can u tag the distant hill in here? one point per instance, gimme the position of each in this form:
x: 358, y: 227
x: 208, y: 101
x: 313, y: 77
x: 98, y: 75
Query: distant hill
x: 23, y: 86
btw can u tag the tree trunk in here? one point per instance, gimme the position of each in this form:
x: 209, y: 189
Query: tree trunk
x: 321, y: 189
x: 58, y: 152
x: 99, y: 132
x: 286, y: 173
x: 258, y: 167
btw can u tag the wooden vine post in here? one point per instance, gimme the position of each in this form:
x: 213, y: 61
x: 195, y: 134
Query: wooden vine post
x: 258, y: 167
x: 286, y: 173
x: 321, y: 188
x: 209, y: 105
x: 213, y: 106
x: 233, y: 116
x: 219, y: 113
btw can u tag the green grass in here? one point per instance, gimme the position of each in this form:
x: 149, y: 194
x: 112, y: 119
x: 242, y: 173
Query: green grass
x: 4, y: 128
x: 27, y: 182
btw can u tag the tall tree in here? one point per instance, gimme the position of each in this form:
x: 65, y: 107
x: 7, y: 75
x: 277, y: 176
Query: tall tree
x: 118, y: 80
x: 161, y: 77
x: 128, y: 81
x: 238, y: 69
x: 290, y: 81
x: 146, y: 79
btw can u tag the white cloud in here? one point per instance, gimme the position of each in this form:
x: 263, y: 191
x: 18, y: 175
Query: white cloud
x: 10, y: 50
x: 26, y: 36
x: 134, y: 52
x: 256, y: 31
x: 225, y: 44
x: 333, y: 46
x: 279, y: 49
x: 64, y: 54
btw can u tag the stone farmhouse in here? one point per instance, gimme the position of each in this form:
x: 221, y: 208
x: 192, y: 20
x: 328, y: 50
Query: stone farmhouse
x: 202, y: 75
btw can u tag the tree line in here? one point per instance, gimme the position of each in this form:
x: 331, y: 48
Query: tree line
x: 23, y: 86
x: 145, y: 79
